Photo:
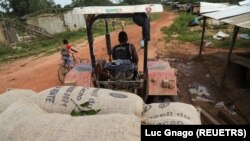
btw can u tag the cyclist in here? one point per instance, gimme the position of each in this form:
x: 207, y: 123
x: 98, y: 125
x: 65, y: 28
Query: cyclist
x: 65, y: 52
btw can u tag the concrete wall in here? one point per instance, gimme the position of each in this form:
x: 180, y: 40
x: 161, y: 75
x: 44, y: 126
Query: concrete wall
x: 60, y: 22
x: 74, y: 22
x: 52, y: 24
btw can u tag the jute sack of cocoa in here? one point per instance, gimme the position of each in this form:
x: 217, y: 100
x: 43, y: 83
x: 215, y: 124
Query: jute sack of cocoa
x: 171, y: 113
x: 25, y: 121
x: 64, y: 99
x: 12, y: 96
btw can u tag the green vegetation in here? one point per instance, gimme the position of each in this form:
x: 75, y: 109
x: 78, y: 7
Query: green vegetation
x: 78, y: 111
x: 227, y: 42
x: 20, y: 50
x: 79, y: 3
x: 46, y: 46
x: 22, y: 7
x: 180, y: 30
x: 155, y: 16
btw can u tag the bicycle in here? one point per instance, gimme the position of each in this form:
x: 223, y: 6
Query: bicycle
x: 65, y: 67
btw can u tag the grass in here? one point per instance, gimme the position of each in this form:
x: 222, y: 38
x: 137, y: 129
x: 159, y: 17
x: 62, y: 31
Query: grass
x: 37, y: 46
x: 181, y: 30
x: 227, y: 42
x: 155, y: 16
x: 42, y: 45
x: 183, y: 33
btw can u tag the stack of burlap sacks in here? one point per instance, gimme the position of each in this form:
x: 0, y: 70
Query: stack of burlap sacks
x: 26, y: 115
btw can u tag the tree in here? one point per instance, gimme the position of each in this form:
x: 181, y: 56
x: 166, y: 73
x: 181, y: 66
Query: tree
x: 57, y: 6
x: 155, y: 1
x: 22, y: 7
x: 78, y: 3
x: 133, y: 2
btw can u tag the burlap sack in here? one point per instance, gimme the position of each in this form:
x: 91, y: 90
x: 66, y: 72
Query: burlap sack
x: 171, y: 113
x: 12, y: 96
x: 59, y: 100
x: 25, y: 121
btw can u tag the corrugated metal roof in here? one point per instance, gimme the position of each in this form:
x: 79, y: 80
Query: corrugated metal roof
x: 226, y: 13
x: 235, y: 15
x: 237, y: 19
x: 245, y: 24
x: 206, y: 7
x: 240, y: 20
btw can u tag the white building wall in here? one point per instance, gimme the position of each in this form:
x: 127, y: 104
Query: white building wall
x: 74, y: 22
x: 52, y: 24
x: 57, y: 23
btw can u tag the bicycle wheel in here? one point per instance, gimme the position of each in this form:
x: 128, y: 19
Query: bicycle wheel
x: 62, y: 72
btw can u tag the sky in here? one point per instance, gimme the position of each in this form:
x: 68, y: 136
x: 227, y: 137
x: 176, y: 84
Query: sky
x: 63, y: 2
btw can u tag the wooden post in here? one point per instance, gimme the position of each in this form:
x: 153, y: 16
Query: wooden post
x: 236, y: 30
x: 209, y: 117
x: 203, y: 33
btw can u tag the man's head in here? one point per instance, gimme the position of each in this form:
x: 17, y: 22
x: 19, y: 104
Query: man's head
x: 123, y: 37
x: 65, y: 41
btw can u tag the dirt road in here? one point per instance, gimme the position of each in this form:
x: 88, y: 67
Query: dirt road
x: 40, y: 72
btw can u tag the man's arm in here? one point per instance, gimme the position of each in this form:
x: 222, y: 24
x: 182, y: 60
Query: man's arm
x: 73, y: 50
x: 134, y: 53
